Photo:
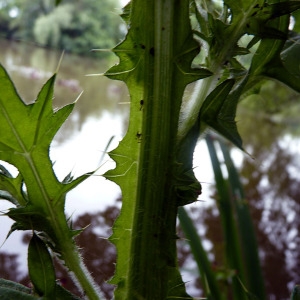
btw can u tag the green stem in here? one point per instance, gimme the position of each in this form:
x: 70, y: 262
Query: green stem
x: 153, y: 247
x: 145, y: 233
x: 73, y: 261
x: 60, y: 232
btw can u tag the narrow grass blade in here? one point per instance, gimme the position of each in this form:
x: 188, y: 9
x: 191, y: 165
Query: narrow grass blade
x: 244, y: 224
x: 211, y: 288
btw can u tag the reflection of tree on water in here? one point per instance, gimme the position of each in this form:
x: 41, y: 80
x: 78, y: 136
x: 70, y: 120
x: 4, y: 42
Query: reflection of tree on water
x: 275, y: 201
x: 272, y: 184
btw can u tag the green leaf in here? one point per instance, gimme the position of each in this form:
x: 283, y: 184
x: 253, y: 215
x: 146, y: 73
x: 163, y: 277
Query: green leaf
x: 30, y: 218
x: 26, y: 134
x: 57, y: 2
x: 200, y: 255
x: 289, y: 55
x: 268, y: 48
x: 27, y: 131
x: 11, y: 290
x: 285, y: 68
x: 11, y: 188
x: 63, y: 294
x: 41, y: 269
x: 126, y: 12
x: 229, y: 227
x: 275, y: 10
x: 218, y: 112
x: 246, y: 237
x: 296, y: 17
x: 296, y: 293
x: 243, y: 7
x: 202, y: 20
x: 276, y: 59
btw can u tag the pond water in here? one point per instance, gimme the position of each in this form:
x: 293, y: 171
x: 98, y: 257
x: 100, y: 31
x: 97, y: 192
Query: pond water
x: 271, y: 181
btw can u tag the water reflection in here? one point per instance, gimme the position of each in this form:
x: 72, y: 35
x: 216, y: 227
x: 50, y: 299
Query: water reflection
x: 272, y: 185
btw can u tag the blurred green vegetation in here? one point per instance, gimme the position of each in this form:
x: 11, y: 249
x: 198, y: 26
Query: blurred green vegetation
x: 73, y: 26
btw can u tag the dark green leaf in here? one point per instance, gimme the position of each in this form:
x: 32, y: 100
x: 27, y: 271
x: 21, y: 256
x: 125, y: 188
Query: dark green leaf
x: 199, y: 254
x: 40, y: 267
x: 290, y: 55
x: 277, y: 70
x: 268, y: 51
x: 260, y: 30
x: 126, y: 13
x: 13, y: 187
x: 26, y: 134
x: 296, y: 17
x: 246, y: 237
x: 218, y: 112
x: 275, y: 10
x: 201, y: 16
x: 10, y: 290
x: 296, y: 293
x: 240, y: 51
x: 29, y: 218
x: 63, y: 294
x: 57, y: 2
x: 283, y: 65
x: 249, y: 295
x: 253, y: 42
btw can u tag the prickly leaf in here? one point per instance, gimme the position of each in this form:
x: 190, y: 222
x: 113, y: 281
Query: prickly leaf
x: 26, y: 133
x: 218, y: 112
x: 12, y: 290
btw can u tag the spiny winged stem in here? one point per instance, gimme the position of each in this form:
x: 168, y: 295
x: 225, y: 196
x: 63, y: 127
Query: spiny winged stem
x: 145, y: 232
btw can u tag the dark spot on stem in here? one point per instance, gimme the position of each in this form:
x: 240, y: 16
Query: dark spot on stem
x: 152, y: 51
x: 142, y: 104
x: 139, y: 136
x: 143, y: 46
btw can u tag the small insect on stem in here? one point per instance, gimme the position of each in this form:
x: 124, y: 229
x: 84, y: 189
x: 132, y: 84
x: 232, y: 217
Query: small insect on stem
x: 139, y: 136
x: 151, y: 51
x: 142, y: 104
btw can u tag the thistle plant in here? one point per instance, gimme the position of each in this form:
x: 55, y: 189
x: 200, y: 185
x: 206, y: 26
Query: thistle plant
x: 161, y: 54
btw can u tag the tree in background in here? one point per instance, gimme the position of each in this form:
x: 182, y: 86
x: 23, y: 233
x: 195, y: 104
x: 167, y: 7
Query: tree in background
x: 73, y: 26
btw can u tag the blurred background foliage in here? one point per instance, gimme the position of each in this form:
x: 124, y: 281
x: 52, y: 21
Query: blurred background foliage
x: 73, y: 26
